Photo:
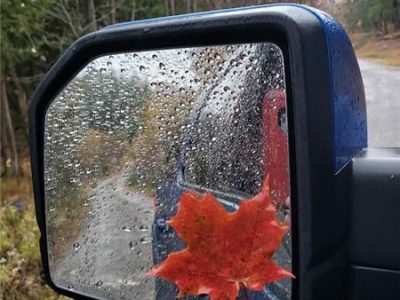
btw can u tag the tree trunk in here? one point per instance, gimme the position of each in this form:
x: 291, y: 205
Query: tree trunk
x: 172, y: 4
x: 396, y: 14
x: 166, y: 7
x: 22, y: 101
x: 188, y: 6
x: 133, y: 14
x: 385, y: 27
x: 383, y: 23
x: 191, y: 6
x: 113, y: 10
x: 194, y: 5
x: 212, y: 4
x: 9, y: 138
x: 5, y: 151
x: 92, y: 15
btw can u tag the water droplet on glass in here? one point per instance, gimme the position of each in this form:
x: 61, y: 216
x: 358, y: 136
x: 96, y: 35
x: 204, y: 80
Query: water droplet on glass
x: 132, y: 245
x: 145, y: 240
x: 143, y: 228
x: 254, y: 60
x: 76, y: 246
x: 127, y: 228
x: 99, y: 283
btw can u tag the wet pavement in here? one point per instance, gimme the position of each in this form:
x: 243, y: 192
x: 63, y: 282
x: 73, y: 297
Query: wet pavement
x: 382, y: 91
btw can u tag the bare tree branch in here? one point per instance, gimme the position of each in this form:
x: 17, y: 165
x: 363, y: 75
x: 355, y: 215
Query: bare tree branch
x: 133, y: 14
x: 21, y: 95
x: 67, y: 15
x: 113, y: 10
x: 51, y: 13
x: 92, y: 15
x: 166, y: 5
x: 172, y: 6
x: 9, y: 129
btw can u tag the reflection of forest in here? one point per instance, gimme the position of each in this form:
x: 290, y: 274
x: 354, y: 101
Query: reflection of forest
x: 129, y: 112
x: 107, y: 119
x: 110, y: 116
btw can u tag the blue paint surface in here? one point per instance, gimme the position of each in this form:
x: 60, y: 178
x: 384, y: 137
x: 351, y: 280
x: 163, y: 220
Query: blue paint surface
x: 347, y: 92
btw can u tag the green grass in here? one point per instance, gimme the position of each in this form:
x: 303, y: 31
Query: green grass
x: 136, y: 185
x: 67, y: 221
x: 20, y: 266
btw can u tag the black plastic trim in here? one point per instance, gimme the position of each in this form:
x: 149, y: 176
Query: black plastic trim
x: 374, y: 284
x: 375, y: 222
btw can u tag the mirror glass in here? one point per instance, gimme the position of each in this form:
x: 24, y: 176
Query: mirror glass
x: 131, y: 133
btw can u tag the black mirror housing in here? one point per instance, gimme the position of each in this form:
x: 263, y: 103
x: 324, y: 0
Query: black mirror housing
x: 326, y: 113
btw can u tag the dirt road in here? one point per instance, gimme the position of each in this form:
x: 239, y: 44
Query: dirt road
x: 382, y: 90
x: 112, y: 254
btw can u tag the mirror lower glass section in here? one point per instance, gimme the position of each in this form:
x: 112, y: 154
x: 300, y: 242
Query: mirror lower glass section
x: 132, y: 132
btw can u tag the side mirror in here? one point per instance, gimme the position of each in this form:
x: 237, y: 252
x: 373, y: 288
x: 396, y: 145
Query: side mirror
x: 135, y: 116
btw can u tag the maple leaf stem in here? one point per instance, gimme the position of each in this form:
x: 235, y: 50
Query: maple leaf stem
x: 246, y: 295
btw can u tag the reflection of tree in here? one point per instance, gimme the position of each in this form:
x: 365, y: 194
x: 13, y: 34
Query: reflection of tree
x: 97, y: 112
x: 157, y: 147
x: 206, y: 62
x: 155, y: 150
x: 112, y: 103
x: 101, y: 153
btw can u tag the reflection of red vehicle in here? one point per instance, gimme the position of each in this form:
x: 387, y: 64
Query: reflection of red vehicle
x: 276, y: 157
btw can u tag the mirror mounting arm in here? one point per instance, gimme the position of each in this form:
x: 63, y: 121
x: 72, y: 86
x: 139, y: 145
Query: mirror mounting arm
x: 374, y: 243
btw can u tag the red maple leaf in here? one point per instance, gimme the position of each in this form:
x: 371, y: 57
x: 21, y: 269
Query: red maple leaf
x: 225, y: 251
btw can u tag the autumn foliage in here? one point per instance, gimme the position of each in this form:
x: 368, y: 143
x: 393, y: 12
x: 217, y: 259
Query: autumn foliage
x: 225, y: 251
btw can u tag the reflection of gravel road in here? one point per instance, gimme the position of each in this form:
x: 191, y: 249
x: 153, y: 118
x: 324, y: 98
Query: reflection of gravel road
x: 114, y: 251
